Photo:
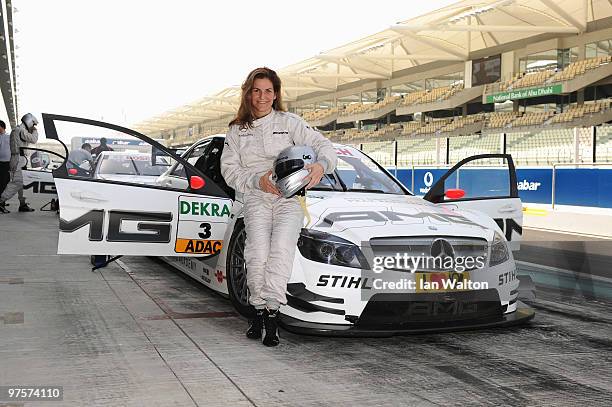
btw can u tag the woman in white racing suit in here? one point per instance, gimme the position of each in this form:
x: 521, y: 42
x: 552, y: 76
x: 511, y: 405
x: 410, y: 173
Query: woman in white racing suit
x: 258, y: 133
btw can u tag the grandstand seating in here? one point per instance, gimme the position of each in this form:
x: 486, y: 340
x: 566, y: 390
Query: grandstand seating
x: 410, y: 127
x: 527, y: 79
x: 433, y: 126
x: 319, y: 114
x: 460, y: 122
x: 429, y: 96
x: 580, y: 67
x: 532, y: 119
x: 604, y: 144
x: 416, y: 151
x: 465, y: 146
x: 500, y: 119
x: 546, y: 147
x: 577, y: 112
x: 357, y: 108
x: 546, y: 76
x: 495, y: 121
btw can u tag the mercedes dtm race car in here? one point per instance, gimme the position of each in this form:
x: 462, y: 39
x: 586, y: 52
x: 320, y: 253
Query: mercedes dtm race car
x: 38, y: 165
x: 372, y: 258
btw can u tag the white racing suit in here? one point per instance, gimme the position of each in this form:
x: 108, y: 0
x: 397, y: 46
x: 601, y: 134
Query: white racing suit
x: 272, y: 223
x: 20, y: 137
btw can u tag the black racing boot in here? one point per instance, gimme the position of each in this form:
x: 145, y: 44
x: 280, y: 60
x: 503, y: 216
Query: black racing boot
x: 271, y: 325
x: 256, y: 325
x: 25, y: 208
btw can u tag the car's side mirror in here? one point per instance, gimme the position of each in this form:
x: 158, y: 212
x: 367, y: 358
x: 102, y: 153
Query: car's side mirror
x: 196, y: 182
x: 454, y: 193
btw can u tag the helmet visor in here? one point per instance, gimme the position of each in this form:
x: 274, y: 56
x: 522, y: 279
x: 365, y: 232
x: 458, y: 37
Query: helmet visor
x: 284, y: 168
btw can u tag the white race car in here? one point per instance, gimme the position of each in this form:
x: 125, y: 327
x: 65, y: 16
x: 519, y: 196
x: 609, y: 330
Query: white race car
x: 37, y: 173
x: 348, y: 276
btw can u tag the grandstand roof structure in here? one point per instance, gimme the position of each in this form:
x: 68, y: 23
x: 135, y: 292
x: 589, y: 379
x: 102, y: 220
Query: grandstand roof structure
x: 458, y: 32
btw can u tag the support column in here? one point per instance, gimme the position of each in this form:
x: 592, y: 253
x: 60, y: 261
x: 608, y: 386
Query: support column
x: 576, y: 145
x: 447, y: 161
x: 594, y: 141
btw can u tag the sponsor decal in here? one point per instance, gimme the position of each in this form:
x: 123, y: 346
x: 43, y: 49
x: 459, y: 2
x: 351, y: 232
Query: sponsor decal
x: 327, y: 280
x: 525, y: 93
x: 201, y: 225
x: 344, y: 151
x: 280, y: 132
x: 41, y: 187
x: 220, y: 276
x: 198, y: 246
x: 187, y: 262
x: 428, y: 181
x: 157, y: 232
x: 203, y: 208
x: 507, y: 277
x: 437, y: 308
x: 525, y: 185
x: 384, y: 216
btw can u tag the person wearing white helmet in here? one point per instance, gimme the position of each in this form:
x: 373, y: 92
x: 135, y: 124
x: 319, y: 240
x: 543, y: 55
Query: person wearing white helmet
x: 260, y: 131
x: 23, y: 134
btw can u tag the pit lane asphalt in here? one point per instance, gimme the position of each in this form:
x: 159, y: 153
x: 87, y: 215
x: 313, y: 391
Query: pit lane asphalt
x: 139, y: 333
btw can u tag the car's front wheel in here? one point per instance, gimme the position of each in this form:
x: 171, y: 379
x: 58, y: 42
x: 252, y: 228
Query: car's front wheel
x: 236, y: 272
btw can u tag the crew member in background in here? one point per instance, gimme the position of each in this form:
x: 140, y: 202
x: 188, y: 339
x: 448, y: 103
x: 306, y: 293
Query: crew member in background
x: 5, y: 158
x: 80, y: 159
x: 260, y: 131
x: 22, y: 135
x: 102, y: 147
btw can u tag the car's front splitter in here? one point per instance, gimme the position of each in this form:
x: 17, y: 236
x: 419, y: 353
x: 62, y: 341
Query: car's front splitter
x: 523, y: 314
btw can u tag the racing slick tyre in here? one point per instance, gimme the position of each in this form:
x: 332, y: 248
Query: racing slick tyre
x: 236, y: 272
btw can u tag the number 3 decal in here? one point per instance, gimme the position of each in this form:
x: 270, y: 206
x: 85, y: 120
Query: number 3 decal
x: 206, y: 234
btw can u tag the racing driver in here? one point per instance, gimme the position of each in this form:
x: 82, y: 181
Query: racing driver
x: 258, y: 133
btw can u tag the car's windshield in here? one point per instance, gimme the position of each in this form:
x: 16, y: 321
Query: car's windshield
x: 356, y: 172
x: 121, y: 164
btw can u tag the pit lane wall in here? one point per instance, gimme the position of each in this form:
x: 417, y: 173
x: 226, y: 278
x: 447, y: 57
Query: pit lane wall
x: 574, y: 185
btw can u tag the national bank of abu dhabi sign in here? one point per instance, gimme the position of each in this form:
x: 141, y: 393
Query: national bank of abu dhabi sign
x: 525, y: 93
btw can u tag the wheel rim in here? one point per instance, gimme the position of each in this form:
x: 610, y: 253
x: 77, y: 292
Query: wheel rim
x: 238, y: 279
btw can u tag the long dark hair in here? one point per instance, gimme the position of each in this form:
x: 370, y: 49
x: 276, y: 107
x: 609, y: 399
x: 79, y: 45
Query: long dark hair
x: 244, y: 117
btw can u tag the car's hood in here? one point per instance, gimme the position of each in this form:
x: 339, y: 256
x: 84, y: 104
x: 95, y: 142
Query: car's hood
x: 359, y: 216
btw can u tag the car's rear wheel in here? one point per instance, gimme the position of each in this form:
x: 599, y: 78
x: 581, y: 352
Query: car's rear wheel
x: 236, y: 272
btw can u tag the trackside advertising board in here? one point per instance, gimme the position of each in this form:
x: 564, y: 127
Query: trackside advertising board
x: 573, y: 186
x: 525, y: 93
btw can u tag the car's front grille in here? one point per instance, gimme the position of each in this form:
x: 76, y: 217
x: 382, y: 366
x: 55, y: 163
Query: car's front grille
x: 422, y: 247
x: 397, y: 311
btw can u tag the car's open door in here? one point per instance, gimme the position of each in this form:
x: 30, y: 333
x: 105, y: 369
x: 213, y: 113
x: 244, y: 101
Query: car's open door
x: 486, y: 183
x: 129, y: 217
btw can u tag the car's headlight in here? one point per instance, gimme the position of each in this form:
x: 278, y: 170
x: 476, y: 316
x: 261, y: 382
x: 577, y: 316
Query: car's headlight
x: 499, y: 250
x: 329, y: 249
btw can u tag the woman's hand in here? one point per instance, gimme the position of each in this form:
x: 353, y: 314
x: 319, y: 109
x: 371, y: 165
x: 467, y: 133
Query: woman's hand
x: 316, y: 172
x: 266, y: 185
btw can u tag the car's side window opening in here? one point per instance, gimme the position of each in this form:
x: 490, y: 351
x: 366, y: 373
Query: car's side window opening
x: 211, y: 166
